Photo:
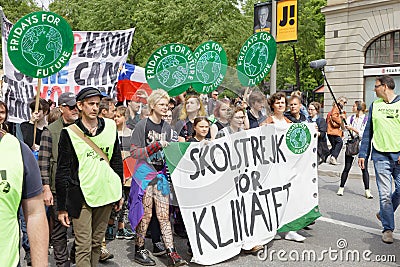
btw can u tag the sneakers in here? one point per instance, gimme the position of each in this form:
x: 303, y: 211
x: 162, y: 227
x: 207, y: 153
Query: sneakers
x: 333, y: 161
x: 254, y: 250
x: 124, y: 234
x: 159, y: 249
x: 174, y: 258
x: 28, y: 259
x: 105, y: 255
x: 277, y: 237
x: 340, y: 191
x: 109, y: 233
x: 293, y: 236
x: 142, y: 257
x: 387, y: 237
x: 368, y: 194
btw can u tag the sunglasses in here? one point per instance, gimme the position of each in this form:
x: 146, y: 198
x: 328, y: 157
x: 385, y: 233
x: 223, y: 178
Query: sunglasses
x: 70, y: 107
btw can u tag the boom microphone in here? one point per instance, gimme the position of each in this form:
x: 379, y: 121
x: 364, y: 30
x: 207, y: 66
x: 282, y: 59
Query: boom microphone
x: 318, y: 64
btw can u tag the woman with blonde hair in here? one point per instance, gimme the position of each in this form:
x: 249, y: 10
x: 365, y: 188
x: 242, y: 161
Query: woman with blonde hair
x: 191, y: 109
x: 150, y: 137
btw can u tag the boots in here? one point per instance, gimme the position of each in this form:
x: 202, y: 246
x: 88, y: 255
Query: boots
x: 174, y: 259
x: 142, y: 257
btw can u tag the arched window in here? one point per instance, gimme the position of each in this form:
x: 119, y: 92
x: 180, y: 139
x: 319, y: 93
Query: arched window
x: 384, y: 50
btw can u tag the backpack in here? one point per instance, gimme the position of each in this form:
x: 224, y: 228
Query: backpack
x: 364, y: 120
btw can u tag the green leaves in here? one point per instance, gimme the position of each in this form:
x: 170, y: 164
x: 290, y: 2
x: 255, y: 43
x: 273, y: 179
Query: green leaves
x: 192, y: 22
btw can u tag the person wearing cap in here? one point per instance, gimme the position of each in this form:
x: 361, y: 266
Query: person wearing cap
x: 48, y: 154
x: 88, y: 182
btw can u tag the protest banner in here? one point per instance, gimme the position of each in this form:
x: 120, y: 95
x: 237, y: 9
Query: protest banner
x: 95, y: 61
x: 236, y: 192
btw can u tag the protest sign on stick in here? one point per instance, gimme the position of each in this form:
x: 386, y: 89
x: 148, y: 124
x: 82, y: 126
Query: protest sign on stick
x: 39, y: 45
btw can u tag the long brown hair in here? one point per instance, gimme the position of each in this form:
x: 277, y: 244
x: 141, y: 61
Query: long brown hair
x: 4, y: 125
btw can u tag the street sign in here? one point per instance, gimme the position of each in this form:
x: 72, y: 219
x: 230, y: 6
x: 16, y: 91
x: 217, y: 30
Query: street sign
x: 40, y: 44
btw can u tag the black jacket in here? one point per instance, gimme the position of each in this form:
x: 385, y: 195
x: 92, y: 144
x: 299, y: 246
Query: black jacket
x: 69, y: 193
x: 293, y: 119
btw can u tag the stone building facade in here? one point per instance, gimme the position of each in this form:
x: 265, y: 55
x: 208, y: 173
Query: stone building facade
x: 362, y: 41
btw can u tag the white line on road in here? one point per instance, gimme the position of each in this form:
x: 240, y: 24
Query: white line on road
x: 356, y: 226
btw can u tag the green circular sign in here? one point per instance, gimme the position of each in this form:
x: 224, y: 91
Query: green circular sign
x: 40, y: 44
x: 211, y: 65
x: 256, y: 58
x: 298, y: 138
x: 172, y: 68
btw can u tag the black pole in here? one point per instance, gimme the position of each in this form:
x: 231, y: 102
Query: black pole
x: 334, y: 99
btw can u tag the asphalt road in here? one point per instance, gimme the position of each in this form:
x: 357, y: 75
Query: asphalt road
x: 348, y: 228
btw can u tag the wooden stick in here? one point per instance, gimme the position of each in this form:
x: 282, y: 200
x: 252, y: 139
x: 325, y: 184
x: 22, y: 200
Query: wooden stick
x: 36, y: 108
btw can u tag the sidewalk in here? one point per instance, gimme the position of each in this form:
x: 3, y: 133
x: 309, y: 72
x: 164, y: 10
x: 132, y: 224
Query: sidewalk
x: 326, y: 169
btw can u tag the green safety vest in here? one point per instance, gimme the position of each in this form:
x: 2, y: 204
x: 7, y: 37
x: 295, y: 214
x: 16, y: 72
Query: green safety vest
x: 386, y: 124
x: 11, y: 172
x: 99, y: 183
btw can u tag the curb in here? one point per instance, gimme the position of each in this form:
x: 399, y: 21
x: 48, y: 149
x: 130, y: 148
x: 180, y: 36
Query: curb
x: 355, y: 172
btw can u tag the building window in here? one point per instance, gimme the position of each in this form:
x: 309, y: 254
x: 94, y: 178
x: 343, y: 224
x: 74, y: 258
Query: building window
x: 384, y: 50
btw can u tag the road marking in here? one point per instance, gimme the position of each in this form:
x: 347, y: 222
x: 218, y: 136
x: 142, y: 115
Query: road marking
x: 356, y: 226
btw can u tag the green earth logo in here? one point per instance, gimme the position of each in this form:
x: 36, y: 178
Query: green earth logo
x: 37, y: 38
x: 298, y: 138
x: 255, y: 59
x: 208, y: 67
x: 172, y: 71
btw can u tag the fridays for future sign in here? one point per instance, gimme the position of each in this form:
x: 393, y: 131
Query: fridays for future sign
x: 256, y: 58
x: 40, y: 44
x: 95, y: 61
x: 211, y: 66
x: 236, y: 192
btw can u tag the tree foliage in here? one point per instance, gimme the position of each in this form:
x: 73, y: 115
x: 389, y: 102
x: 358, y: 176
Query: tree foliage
x: 229, y: 22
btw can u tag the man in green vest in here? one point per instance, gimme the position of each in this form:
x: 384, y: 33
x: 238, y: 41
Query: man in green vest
x: 89, y: 176
x: 383, y: 126
x: 48, y: 154
x: 20, y: 184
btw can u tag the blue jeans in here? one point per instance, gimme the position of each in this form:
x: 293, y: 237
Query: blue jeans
x: 25, y: 241
x: 336, y: 143
x: 385, y: 171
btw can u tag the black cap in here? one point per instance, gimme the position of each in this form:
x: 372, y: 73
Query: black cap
x: 88, y: 92
x: 67, y: 99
